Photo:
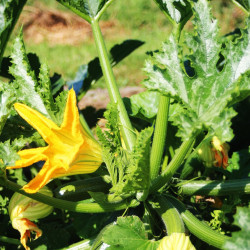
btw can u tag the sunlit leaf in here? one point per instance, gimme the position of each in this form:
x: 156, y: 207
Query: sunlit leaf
x: 176, y: 10
x: 87, y: 9
x: 207, y: 95
x: 9, y: 13
x: 128, y: 233
x: 240, y: 240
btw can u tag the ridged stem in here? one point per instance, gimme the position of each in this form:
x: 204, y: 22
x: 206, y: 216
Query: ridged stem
x: 78, y: 207
x: 215, y: 188
x: 169, y: 214
x: 159, y: 137
x: 127, y: 131
x: 197, y: 227
x: 173, y: 166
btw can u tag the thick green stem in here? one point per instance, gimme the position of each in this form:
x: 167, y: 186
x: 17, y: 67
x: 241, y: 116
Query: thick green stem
x: 197, y: 227
x: 78, y: 207
x: 169, y: 214
x: 126, y: 128
x: 159, y: 137
x: 216, y: 188
x: 9, y: 240
x: 173, y: 166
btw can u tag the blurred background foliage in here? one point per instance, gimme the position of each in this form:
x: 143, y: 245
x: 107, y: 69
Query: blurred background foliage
x: 65, y: 42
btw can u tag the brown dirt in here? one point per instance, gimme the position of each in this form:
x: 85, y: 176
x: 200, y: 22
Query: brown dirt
x: 99, y: 98
x: 56, y: 27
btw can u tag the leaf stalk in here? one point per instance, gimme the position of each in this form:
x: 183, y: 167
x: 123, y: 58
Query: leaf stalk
x: 78, y: 207
x: 169, y: 214
x: 127, y: 130
x: 215, y: 188
x: 159, y: 137
x: 197, y: 227
x: 173, y: 166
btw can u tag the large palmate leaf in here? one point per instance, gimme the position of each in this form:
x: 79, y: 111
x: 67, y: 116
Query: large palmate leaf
x: 145, y: 105
x: 128, y: 233
x: 9, y: 13
x: 240, y: 240
x: 88, y: 9
x: 176, y: 10
x: 205, y: 96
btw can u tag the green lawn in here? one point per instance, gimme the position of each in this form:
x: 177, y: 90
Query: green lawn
x: 138, y: 19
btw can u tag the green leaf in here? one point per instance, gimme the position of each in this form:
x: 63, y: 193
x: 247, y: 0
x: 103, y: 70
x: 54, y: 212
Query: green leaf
x: 7, y: 98
x: 240, y: 240
x: 245, y: 4
x: 25, y: 83
x: 129, y: 171
x: 87, y: 9
x: 205, y: 96
x: 239, y: 164
x: 176, y: 10
x: 45, y: 90
x: 9, y: 14
x: 136, y: 174
x: 35, y: 92
x: 128, y: 233
x: 143, y: 105
x: 8, y: 151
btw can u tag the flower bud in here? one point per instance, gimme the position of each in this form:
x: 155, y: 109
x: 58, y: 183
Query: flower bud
x: 23, y: 210
x: 214, y: 153
x: 176, y: 241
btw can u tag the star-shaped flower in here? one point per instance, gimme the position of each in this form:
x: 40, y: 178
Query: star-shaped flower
x: 70, y: 149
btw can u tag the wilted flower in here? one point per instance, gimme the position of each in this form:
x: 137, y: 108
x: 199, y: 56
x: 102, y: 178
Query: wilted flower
x: 214, y: 153
x: 176, y: 241
x: 23, y: 210
x: 70, y: 149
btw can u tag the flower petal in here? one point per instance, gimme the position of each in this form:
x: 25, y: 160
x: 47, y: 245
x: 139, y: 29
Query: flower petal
x: 71, y: 120
x: 24, y: 226
x: 41, y: 179
x: 29, y: 156
x: 41, y: 123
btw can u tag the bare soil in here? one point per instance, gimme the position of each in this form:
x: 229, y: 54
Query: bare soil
x: 99, y: 98
x: 56, y: 26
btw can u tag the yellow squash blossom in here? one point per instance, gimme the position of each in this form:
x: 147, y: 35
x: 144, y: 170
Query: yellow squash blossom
x: 214, y: 153
x: 176, y: 241
x: 70, y: 149
x: 23, y: 210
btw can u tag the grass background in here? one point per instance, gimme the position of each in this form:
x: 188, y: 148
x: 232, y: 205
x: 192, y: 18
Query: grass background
x: 132, y: 19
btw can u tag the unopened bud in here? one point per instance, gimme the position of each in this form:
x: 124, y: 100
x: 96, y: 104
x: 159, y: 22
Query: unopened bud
x: 23, y: 210
x: 214, y: 153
